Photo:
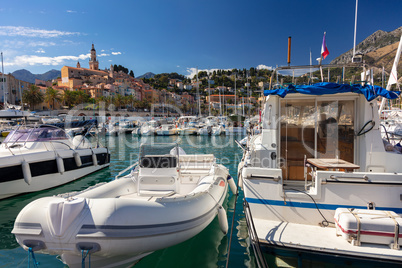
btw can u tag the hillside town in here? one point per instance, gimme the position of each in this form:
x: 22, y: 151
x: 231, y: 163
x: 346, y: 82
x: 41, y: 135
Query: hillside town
x: 119, y: 90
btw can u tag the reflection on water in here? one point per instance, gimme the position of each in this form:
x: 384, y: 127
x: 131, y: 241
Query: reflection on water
x: 208, y: 249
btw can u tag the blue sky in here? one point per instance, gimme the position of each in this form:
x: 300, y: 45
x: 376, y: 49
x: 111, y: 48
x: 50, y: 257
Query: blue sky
x: 177, y: 36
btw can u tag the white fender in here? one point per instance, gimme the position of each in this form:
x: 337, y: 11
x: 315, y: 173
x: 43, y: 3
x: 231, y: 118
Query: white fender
x: 232, y: 185
x: 240, y: 177
x: 26, y: 171
x: 94, y: 159
x: 223, y: 220
x: 77, y: 159
x: 60, y: 164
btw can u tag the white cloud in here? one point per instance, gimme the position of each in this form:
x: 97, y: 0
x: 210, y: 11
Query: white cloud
x: 193, y: 71
x: 32, y: 32
x: 103, y: 55
x: 32, y: 60
x: 13, y: 44
x: 41, y: 44
x: 40, y: 51
x: 116, y: 53
x: 262, y: 66
x: 71, y: 11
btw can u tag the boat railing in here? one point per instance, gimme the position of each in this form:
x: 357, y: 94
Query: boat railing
x: 125, y: 170
x: 320, y: 66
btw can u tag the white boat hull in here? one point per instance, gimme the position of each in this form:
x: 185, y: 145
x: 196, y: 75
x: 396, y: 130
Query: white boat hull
x: 166, y: 132
x: 45, y: 173
x: 118, y: 223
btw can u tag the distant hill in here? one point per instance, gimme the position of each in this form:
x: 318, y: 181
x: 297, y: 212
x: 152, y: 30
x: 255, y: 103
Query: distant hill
x: 27, y: 76
x: 376, y: 41
x: 147, y: 75
x: 379, y: 50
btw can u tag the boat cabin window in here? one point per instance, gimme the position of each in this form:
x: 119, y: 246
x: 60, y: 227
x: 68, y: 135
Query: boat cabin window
x: 312, y: 128
x: 36, y: 134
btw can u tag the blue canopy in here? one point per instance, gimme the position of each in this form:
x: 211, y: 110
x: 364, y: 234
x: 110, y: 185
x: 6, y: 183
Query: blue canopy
x: 370, y: 92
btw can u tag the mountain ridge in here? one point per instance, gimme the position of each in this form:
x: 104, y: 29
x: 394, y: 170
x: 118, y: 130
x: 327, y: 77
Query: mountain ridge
x: 27, y: 76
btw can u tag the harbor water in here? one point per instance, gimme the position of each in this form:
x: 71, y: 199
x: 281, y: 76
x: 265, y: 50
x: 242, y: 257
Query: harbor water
x: 210, y: 248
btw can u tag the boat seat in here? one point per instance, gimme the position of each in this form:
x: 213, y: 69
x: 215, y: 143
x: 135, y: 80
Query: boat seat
x: 156, y: 185
x: 199, y: 162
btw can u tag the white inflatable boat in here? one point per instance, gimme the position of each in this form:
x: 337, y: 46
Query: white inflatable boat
x: 168, y: 198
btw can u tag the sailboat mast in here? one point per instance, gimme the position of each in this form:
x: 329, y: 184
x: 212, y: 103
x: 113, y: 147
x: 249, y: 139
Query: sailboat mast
x: 19, y: 86
x: 242, y: 104
x: 198, y: 96
x: 2, y: 82
x: 220, y: 103
x: 209, y: 93
x: 354, y: 39
x: 235, y: 95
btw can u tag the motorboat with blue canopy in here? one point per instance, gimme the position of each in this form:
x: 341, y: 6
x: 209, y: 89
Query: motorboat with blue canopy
x: 320, y: 184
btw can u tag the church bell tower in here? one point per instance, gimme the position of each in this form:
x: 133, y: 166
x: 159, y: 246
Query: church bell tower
x: 93, y: 63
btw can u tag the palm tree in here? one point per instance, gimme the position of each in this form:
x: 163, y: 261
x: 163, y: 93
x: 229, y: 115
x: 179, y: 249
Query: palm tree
x: 129, y: 100
x: 69, y: 98
x: 32, y: 96
x: 52, y: 95
x: 118, y: 101
x: 81, y: 97
x: 101, y: 101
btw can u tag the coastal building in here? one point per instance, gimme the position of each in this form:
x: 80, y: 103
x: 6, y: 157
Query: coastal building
x: 227, y: 98
x: 180, y: 85
x: 12, y: 89
x: 151, y: 95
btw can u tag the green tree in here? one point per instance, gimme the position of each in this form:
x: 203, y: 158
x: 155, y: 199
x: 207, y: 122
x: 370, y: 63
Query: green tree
x: 69, y: 98
x: 118, y: 101
x: 129, y: 100
x: 252, y: 71
x: 81, y: 97
x: 51, y: 96
x: 32, y: 96
x: 132, y: 73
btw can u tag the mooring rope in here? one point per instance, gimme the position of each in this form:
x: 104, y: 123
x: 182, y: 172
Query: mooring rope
x: 233, y: 217
x: 35, y: 263
x: 84, y: 255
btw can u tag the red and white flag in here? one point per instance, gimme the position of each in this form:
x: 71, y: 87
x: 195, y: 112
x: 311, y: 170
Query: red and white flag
x: 324, y: 49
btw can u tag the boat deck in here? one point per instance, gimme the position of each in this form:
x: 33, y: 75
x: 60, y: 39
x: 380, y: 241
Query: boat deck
x: 325, y: 240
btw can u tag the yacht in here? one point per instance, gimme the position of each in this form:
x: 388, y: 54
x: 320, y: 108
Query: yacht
x: 33, y: 159
x: 187, y: 125
x: 167, y: 198
x: 149, y: 128
x: 166, y: 130
x: 319, y: 184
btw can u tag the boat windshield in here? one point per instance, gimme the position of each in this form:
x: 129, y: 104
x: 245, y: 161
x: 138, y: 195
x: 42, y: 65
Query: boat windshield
x: 156, y: 148
x: 158, y: 155
x: 36, y: 134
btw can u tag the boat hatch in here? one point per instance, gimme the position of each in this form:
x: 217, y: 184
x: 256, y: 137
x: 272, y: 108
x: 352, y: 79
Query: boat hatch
x: 315, y: 128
